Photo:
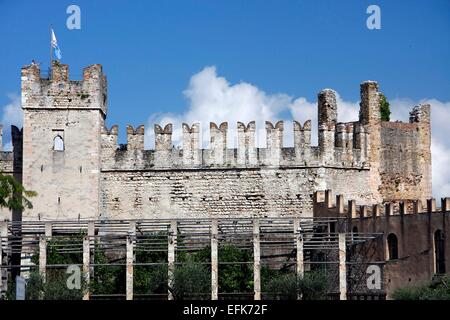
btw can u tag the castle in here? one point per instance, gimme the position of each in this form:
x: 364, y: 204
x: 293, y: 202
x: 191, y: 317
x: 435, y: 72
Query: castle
x: 67, y: 155
x: 83, y: 177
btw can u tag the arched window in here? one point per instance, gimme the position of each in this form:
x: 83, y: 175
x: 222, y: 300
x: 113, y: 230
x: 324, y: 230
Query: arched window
x: 439, y: 252
x: 392, y: 246
x: 58, y: 143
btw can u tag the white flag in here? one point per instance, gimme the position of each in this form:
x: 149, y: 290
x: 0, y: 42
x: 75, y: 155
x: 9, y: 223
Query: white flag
x: 55, y: 46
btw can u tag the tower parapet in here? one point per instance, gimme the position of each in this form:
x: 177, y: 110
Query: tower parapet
x: 58, y: 91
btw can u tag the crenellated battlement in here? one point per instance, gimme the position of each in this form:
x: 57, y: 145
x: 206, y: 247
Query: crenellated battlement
x: 346, y: 152
x: 341, y: 144
x: 57, y: 90
x: 326, y: 205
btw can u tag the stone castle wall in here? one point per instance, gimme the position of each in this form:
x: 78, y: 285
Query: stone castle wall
x: 406, y: 157
x: 95, y: 177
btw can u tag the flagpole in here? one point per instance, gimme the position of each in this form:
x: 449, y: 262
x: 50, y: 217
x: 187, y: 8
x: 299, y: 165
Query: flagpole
x: 51, y: 55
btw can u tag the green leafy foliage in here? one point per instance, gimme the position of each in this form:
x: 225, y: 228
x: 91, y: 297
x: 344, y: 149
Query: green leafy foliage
x: 281, y: 287
x: 13, y: 195
x: 287, y: 286
x: 237, y: 277
x: 54, y: 288
x: 151, y: 279
x: 192, y: 274
x: 438, y: 289
x: 191, y: 281
x: 314, y: 285
x: 107, y: 279
x: 385, y: 109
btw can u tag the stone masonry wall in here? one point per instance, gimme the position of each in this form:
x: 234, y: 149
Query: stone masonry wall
x: 95, y: 177
x: 405, y: 157
x: 232, y: 192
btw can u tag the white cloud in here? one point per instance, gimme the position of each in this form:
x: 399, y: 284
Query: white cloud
x: 11, y: 115
x: 213, y: 98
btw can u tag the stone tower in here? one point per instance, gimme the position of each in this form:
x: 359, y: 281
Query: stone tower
x: 62, y: 127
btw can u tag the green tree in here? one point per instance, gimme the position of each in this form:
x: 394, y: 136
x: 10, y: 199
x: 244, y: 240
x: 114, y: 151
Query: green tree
x: 385, y: 109
x: 13, y: 195
x: 151, y: 279
x: 236, y: 276
x: 107, y: 279
x: 191, y: 281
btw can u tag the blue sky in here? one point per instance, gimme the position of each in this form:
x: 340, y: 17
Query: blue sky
x: 150, y: 49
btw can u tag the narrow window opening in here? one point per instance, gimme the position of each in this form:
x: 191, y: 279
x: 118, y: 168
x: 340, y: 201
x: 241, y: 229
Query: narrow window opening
x: 392, y: 246
x: 58, y: 143
x: 439, y: 252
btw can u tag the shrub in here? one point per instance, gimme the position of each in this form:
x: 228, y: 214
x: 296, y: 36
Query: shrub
x: 282, y: 287
x: 235, y: 277
x: 314, y: 285
x: 385, y: 110
x: 107, y: 279
x: 407, y: 293
x: 191, y: 281
x: 150, y: 280
x: 54, y: 288
x: 287, y: 286
x: 438, y: 289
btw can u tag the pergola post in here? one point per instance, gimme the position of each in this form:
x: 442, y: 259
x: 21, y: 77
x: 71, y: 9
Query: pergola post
x: 48, y: 229
x: 130, y: 260
x: 256, y: 261
x: 3, y: 239
x: 342, y: 267
x: 91, y: 235
x: 43, y: 256
x: 171, y: 256
x: 129, y: 266
x: 214, y: 261
x: 300, y: 268
x: 86, y: 264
